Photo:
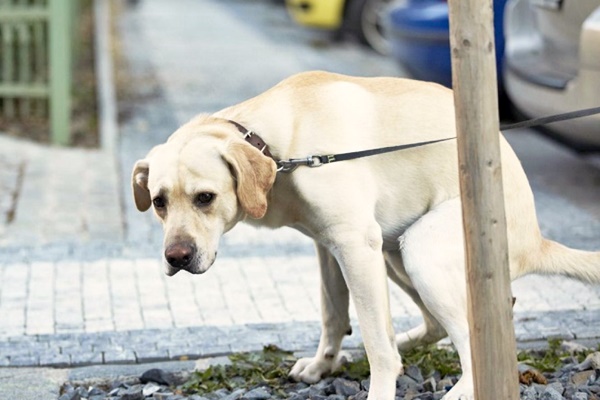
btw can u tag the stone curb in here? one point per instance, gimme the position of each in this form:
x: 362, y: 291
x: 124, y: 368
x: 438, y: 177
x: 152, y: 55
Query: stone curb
x: 153, y: 345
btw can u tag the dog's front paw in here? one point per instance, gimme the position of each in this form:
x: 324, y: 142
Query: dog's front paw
x: 310, y: 369
x: 313, y: 369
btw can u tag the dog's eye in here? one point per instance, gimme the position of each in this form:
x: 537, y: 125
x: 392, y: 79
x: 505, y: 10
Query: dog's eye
x: 204, y: 199
x: 159, y: 202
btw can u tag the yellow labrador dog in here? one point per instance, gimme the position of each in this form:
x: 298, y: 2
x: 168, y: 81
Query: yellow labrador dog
x: 394, y: 215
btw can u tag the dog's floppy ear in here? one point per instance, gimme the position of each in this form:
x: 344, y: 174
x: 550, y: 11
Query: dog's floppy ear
x: 139, y: 184
x: 255, y: 174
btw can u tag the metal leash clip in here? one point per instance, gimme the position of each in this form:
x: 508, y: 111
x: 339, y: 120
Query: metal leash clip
x: 293, y: 163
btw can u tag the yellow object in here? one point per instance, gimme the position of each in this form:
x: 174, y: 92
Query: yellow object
x: 325, y: 14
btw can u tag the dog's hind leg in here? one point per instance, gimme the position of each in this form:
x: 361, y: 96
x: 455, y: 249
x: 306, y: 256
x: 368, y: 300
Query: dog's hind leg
x: 430, y: 331
x: 335, y: 322
x: 433, y: 254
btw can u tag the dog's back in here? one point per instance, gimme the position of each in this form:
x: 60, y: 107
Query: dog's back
x: 323, y: 113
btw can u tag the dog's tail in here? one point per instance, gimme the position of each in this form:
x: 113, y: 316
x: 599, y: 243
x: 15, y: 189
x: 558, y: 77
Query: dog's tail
x: 555, y: 258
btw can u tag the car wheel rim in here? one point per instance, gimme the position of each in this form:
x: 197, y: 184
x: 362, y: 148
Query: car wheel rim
x: 372, y: 26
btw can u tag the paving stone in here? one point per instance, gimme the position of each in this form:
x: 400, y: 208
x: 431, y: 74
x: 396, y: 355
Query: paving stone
x: 208, y: 350
x: 182, y: 353
x: 240, y: 347
x: 150, y: 355
x: 86, y: 357
x: 55, y: 359
x: 119, y: 356
x: 24, y: 361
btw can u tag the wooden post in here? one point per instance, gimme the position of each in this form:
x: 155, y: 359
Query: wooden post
x: 60, y: 71
x: 489, y: 296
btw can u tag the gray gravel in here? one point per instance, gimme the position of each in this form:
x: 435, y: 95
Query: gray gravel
x: 573, y: 381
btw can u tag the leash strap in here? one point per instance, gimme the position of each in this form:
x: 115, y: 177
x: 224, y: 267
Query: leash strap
x: 552, y: 118
x: 317, y: 161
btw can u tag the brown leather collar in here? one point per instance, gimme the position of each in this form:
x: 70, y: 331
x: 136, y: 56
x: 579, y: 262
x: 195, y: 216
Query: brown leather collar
x: 254, y: 139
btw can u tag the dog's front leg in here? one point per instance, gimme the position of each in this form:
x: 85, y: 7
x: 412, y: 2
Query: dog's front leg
x: 358, y: 249
x: 335, y: 322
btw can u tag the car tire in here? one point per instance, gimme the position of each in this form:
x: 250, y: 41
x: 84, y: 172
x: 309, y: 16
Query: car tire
x: 363, y: 20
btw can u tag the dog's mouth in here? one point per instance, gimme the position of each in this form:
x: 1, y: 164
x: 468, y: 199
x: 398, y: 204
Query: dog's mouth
x: 196, y: 266
x: 171, y: 270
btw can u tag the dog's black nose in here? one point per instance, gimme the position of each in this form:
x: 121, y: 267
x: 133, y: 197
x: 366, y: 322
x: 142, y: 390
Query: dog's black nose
x: 180, y: 255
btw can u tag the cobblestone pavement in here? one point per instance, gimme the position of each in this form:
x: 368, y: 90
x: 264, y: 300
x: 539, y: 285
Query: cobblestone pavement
x: 80, y: 278
x: 126, y: 310
x: 51, y: 195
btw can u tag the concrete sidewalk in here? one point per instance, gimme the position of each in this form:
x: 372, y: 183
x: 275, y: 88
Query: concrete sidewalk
x: 80, y: 276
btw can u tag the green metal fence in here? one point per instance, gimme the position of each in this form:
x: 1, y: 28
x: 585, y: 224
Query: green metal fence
x: 36, y: 46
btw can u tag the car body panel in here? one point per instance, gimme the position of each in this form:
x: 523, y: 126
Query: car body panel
x: 552, y: 64
x: 324, y: 14
x: 420, y: 37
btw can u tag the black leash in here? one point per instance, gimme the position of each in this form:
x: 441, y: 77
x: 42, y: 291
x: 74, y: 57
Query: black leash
x: 316, y: 161
x: 552, y: 118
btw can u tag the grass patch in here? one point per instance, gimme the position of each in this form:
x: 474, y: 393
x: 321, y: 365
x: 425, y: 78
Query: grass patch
x: 428, y: 358
x: 551, y: 358
x: 271, y: 367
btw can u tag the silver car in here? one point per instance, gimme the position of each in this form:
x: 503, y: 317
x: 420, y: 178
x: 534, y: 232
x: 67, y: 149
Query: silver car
x: 552, y: 64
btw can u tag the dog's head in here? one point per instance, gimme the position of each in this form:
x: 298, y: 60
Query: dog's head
x: 200, y: 183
